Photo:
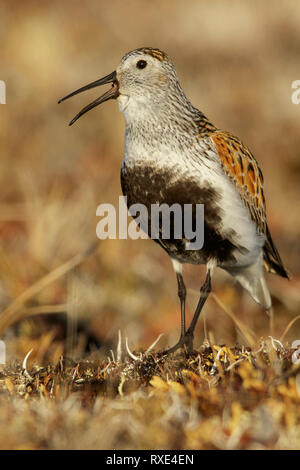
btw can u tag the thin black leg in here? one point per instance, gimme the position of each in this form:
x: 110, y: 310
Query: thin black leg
x: 182, y: 297
x: 187, y: 337
x: 204, y: 293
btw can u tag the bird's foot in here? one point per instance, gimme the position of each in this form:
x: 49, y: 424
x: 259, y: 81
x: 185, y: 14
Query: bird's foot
x: 185, y: 342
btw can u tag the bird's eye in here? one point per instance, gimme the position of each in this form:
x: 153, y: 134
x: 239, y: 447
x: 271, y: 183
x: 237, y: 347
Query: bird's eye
x: 141, y: 64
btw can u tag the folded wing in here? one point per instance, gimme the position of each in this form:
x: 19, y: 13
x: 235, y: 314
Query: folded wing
x: 241, y: 167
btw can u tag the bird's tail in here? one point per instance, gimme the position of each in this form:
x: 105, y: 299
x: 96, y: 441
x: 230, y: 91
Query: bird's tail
x: 252, y: 279
x: 272, y: 260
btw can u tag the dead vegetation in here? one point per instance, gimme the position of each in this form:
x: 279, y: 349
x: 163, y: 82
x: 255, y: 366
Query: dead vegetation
x: 217, y: 398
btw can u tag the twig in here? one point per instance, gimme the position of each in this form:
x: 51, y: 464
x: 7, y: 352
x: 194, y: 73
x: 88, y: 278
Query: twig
x: 11, y: 314
x: 288, y: 327
x: 24, y: 366
x: 119, y: 347
x: 154, y: 344
x: 135, y: 358
x: 249, y: 335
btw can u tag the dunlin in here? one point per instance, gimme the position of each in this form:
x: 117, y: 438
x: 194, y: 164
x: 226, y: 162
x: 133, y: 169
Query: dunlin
x: 174, y: 154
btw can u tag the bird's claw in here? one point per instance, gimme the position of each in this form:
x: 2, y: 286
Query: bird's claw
x: 185, y: 342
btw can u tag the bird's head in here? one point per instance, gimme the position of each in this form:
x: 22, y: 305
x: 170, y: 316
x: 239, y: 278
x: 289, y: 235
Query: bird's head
x: 143, y: 78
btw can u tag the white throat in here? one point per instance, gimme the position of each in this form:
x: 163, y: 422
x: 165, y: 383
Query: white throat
x: 123, y: 101
x: 137, y: 109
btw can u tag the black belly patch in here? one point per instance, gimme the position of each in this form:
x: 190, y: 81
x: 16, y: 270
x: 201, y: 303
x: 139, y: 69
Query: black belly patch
x: 145, y: 185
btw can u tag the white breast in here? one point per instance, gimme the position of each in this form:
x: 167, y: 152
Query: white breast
x: 196, y: 160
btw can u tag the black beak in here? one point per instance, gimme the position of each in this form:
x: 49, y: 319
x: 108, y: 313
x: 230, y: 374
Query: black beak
x: 113, y: 93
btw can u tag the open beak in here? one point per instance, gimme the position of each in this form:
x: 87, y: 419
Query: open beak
x: 113, y: 93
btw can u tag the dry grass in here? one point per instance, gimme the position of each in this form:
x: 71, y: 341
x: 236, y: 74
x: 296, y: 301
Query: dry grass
x: 217, y: 398
x: 62, y: 294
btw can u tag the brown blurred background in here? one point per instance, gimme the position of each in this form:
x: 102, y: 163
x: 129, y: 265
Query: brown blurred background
x: 236, y: 62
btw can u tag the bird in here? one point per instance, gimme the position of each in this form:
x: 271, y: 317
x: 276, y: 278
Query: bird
x: 174, y: 154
